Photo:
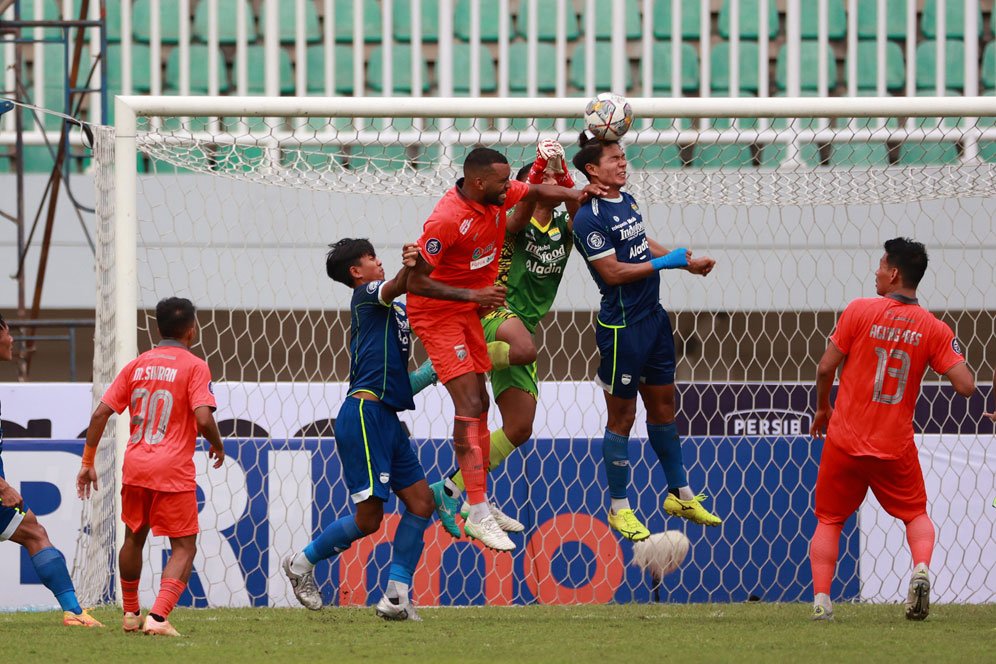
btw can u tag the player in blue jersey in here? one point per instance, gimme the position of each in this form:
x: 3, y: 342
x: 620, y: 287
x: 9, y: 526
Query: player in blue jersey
x: 377, y: 455
x: 20, y: 525
x: 633, y: 334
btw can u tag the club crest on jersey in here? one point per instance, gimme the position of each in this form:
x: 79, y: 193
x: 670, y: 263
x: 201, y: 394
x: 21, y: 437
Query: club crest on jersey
x: 595, y: 240
x: 372, y: 287
x: 955, y: 346
x: 433, y: 246
x: 555, y: 234
x: 461, y: 352
x: 465, y: 225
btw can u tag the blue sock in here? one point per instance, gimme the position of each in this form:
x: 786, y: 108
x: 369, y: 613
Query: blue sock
x: 408, y: 545
x: 50, y: 565
x: 664, y: 439
x: 333, y: 540
x: 615, y: 453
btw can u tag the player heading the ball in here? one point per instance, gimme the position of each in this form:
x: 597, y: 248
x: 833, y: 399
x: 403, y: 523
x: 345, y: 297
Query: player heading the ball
x: 888, y: 342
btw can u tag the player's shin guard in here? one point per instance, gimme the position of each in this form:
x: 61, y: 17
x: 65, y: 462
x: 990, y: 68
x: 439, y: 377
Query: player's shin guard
x: 920, y: 535
x: 664, y: 439
x: 169, y: 594
x: 129, y: 595
x: 823, y: 556
x: 50, y: 565
x: 501, y: 449
x: 407, y: 549
x: 615, y: 453
x: 333, y: 540
x: 469, y: 457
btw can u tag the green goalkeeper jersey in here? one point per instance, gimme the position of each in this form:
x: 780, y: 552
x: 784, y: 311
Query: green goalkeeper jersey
x: 531, y: 266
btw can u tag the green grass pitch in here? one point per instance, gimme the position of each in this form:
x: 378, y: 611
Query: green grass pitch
x: 754, y: 632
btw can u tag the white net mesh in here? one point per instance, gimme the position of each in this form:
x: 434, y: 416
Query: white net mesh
x: 236, y: 214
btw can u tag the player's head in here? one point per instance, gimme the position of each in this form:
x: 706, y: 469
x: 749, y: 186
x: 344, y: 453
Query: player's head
x: 6, y: 341
x: 177, y: 319
x: 602, y: 162
x: 486, y: 176
x: 353, y: 262
x: 902, y: 266
x: 523, y: 175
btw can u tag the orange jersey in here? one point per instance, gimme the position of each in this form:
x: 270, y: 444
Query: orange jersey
x: 161, y: 389
x: 462, y: 241
x: 889, y: 342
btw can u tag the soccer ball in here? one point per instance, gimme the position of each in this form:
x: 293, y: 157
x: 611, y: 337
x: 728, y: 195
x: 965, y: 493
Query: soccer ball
x: 608, y: 116
x: 661, y: 553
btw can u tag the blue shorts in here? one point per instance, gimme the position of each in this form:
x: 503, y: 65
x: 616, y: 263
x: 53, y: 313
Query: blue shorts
x: 10, y: 518
x: 632, y: 354
x: 377, y: 455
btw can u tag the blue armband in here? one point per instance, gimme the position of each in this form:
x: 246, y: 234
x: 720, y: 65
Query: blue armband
x: 676, y: 258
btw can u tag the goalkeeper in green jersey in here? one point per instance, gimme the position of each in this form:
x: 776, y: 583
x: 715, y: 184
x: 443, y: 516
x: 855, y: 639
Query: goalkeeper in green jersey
x: 538, y: 242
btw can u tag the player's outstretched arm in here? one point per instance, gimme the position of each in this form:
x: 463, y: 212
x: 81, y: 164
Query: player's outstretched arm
x: 397, y: 286
x: 551, y: 195
x: 207, y: 427
x: 86, y: 480
x: 616, y: 273
x: 825, y: 373
x: 701, y: 265
x: 961, y: 379
x: 420, y: 282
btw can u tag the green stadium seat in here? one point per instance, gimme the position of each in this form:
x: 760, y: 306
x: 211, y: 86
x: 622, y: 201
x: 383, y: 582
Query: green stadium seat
x: 691, y: 19
x: 988, y: 73
x: 808, y: 78
x: 748, y: 57
x: 654, y: 157
x: 750, y: 24
x: 867, y: 66
x: 488, y: 78
x: 895, y: 17
x: 372, y: 21
x: 546, y: 30
x: 603, y: 67
x: 518, y: 67
x: 199, y: 54
x: 490, y: 20
x: 662, y: 68
x: 140, y: 73
x: 256, y: 68
x: 343, y: 79
x: 401, y: 70
x: 926, y: 65
x: 954, y: 15
x: 38, y: 159
x: 916, y: 152
x: 168, y: 20
x: 228, y: 21
x: 288, y: 23
x: 403, y: 21
x: 987, y: 149
x: 604, y: 10
x: 112, y: 21
x: 714, y: 155
x: 857, y: 155
x: 836, y: 21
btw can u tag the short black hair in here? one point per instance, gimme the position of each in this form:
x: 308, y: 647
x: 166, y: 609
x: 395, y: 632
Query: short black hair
x: 909, y: 257
x: 524, y: 172
x: 344, y: 254
x: 590, y: 152
x: 481, y: 158
x: 3, y: 323
x: 174, y: 316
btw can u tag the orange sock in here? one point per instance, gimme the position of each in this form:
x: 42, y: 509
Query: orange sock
x: 169, y: 594
x: 471, y: 461
x: 129, y: 595
x: 823, y: 555
x: 920, y: 535
x: 484, y: 439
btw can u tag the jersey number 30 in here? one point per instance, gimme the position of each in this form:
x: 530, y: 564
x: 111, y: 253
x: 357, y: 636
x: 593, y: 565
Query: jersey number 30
x: 150, y: 415
x: 900, y: 372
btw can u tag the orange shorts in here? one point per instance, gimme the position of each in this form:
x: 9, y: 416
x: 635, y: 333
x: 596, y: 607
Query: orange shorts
x: 169, y: 513
x: 844, y: 480
x: 455, y: 344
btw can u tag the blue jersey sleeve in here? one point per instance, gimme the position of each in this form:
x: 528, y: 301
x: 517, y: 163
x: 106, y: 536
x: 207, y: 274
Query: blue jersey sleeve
x: 369, y: 294
x: 590, y: 236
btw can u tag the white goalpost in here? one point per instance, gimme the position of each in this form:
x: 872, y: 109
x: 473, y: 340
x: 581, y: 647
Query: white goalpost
x: 232, y: 202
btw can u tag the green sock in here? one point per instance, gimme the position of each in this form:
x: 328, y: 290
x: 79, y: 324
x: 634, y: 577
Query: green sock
x: 501, y: 447
x: 498, y: 354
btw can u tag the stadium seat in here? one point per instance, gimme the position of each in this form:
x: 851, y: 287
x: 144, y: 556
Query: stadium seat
x: 140, y: 72
x: 227, y: 21
x: 343, y: 63
x: 604, y: 10
x: 954, y: 65
x: 895, y: 13
x: 372, y: 21
x: 859, y: 154
x: 657, y: 156
x: 168, y: 20
x: 916, y: 152
x: 403, y: 21
x: 836, y: 21
x: 988, y: 73
x: 490, y: 20
x: 401, y: 70
x: 867, y: 66
x: 488, y: 78
x: 808, y: 78
x: 987, y: 149
x: 603, y: 67
x: 725, y: 156
x: 256, y: 68
x: 748, y: 58
x: 518, y: 67
x: 199, y: 54
x: 546, y: 29
x: 662, y: 67
x: 288, y: 23
x: 750, y: 24
x: 691, y: 19
x: 954, y: 19
x: 112, y: 21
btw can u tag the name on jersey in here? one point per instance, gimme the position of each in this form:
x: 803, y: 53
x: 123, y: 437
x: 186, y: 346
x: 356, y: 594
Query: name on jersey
x: 167, y: 374
x: 886, y: 333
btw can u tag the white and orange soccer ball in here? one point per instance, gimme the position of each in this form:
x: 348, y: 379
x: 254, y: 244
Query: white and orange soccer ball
x: 608, y: 116
x: 661, y: 553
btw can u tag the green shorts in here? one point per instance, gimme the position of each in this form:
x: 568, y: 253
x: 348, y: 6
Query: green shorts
x: 521, y: 376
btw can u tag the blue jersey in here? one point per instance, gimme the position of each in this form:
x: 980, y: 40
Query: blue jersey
x: 603, y: 227
x: 379, y: 346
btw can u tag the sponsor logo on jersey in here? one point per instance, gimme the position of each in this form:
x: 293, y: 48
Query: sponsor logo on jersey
x: 595, y: 240
x: 482, y: 262
x: 433, y: 246
x: 639, y: 249
x: 461, y: 352
x: 465, y: 225
x: 772, y: 422
x: 955, y: 346
x: 632, y: 231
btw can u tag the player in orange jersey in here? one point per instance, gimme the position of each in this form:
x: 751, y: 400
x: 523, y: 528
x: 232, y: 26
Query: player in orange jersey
x: 888, y: 342
x: 167, y: 391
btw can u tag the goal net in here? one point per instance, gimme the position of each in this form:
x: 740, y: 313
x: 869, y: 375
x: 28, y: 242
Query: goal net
x: 233, y: 203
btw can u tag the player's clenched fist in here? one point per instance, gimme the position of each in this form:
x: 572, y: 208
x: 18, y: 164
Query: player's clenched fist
x: 702, y: 266
x: 409, y: 254
x: 491, y: 297
x: 9, y: 497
